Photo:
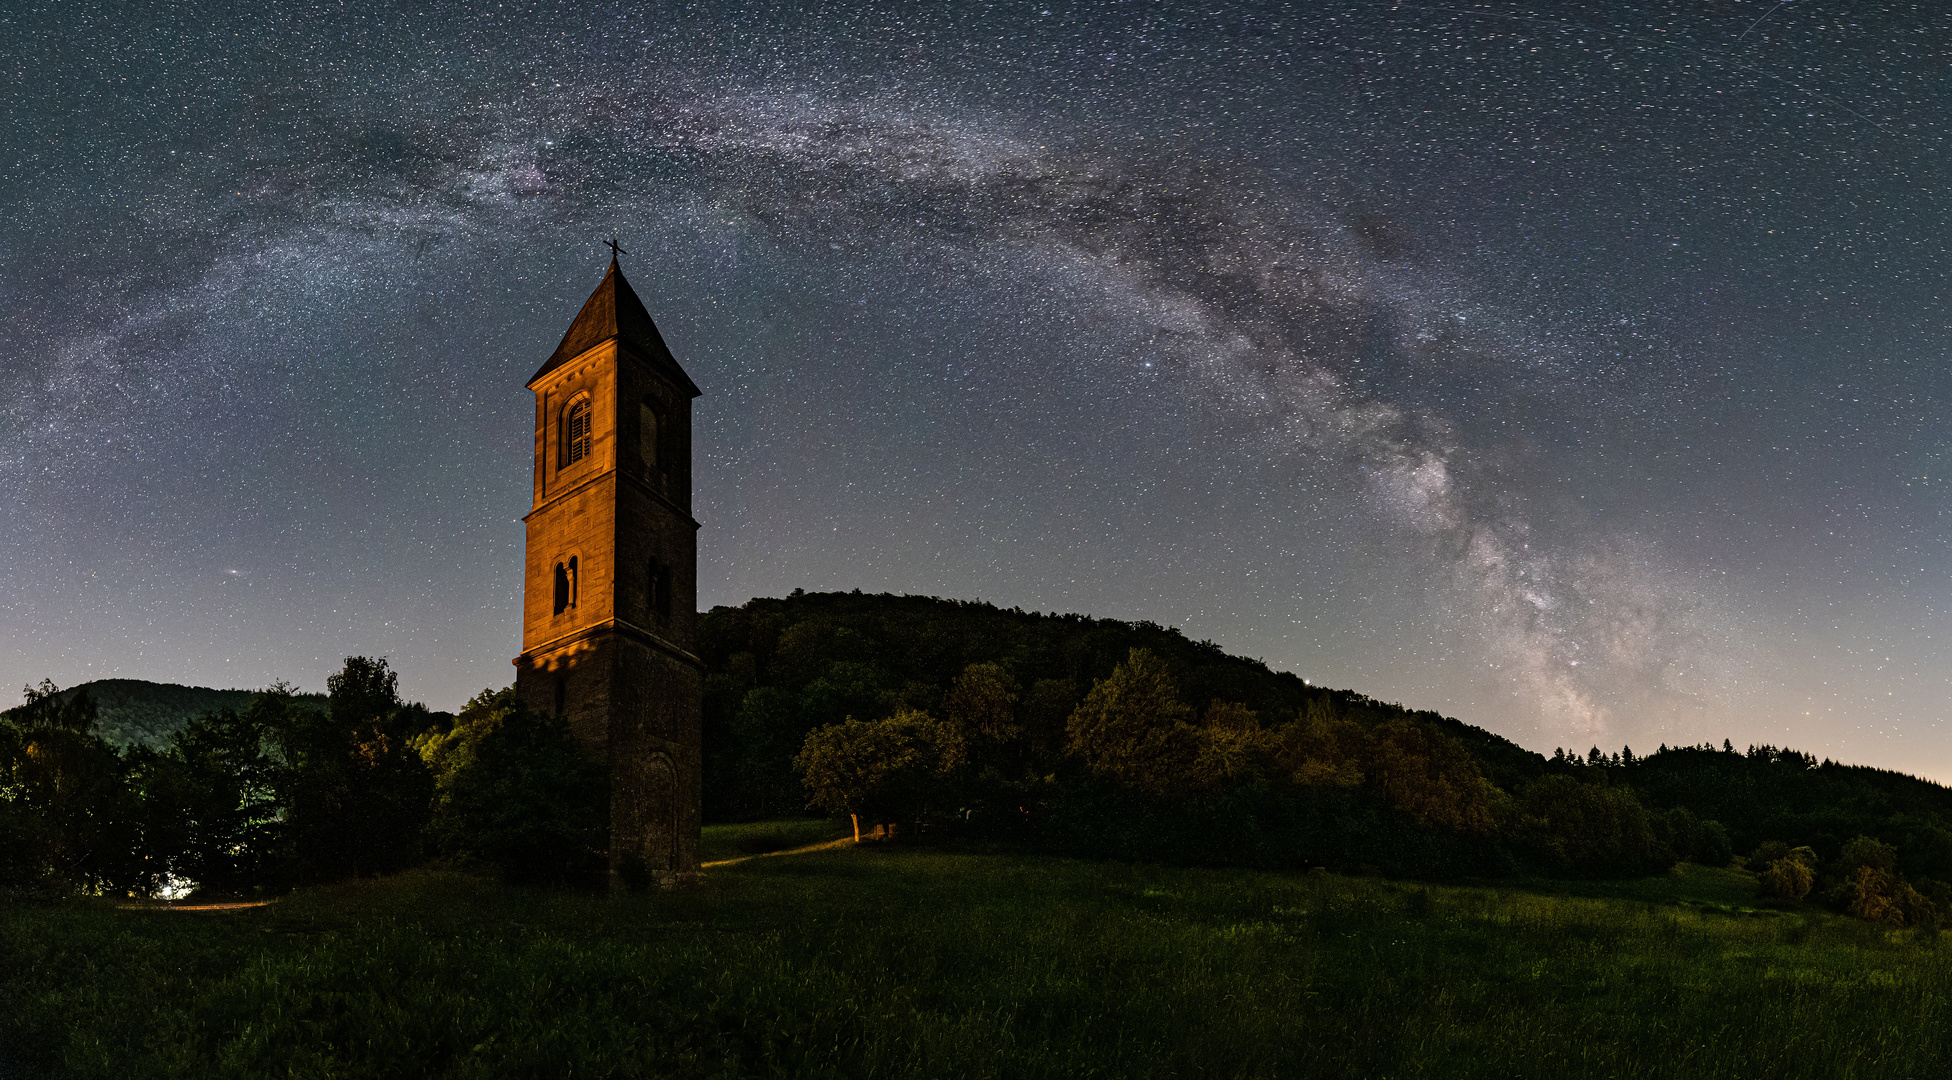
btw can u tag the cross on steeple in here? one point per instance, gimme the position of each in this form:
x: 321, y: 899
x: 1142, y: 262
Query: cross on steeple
x: 614, y: 249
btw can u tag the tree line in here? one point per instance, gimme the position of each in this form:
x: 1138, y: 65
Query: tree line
x: 1061, y: 733
x: 288, y: 791
x: 1107, y: 738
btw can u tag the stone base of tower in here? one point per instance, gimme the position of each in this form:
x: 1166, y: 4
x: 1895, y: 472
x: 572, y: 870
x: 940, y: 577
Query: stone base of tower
x: 634, y: 702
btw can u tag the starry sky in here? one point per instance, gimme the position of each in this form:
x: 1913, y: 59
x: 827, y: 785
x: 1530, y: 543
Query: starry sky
x: 1578, y: 370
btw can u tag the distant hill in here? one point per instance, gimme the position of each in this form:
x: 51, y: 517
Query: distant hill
x: 138, y: 712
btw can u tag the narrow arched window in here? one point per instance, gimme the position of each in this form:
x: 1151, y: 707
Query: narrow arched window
x: 658, y: 590
x: 576, y: 432
x: 647, y: 435
x: 572, y: 581
x: 562, y: 587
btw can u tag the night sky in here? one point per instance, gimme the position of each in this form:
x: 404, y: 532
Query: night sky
x: 1580, y: 371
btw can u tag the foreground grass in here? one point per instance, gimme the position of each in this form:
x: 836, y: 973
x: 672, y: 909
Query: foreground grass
x: 881, y: 962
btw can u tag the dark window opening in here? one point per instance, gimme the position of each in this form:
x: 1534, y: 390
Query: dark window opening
x: 576, y: 433
x: 658, y: 591
x: 566, y: 585
x: 648, y: 433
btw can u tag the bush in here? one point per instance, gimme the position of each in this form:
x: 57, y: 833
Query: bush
x: 1786, y: 879
x: 1870, y: 887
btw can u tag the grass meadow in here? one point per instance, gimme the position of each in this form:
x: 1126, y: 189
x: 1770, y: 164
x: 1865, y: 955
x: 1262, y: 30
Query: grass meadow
x: 890, y: 961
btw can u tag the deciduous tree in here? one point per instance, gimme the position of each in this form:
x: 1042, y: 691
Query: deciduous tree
x: 983, y: 699
x: 1430, y: 777
x: 893, y: 770
x: 80, y: 822
x: 1789, y: 876
x: 1132, y: 728
x: 357, y: 793
x: 212, y: 799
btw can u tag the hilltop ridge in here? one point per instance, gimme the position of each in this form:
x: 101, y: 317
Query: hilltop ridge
x: 138, y: 712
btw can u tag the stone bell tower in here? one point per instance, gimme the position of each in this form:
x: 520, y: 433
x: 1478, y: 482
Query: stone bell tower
x: 610, y: 580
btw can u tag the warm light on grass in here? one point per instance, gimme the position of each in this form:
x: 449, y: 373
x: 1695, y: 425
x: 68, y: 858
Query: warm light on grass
x: 721, y: 842
x: 889, y: 962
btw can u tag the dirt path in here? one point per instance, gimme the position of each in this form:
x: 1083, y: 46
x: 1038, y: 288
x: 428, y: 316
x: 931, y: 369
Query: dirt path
x: 845, y: 841
x: 165, y: 905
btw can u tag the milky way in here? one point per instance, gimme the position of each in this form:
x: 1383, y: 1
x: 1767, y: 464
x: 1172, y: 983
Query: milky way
x: 1580, y: 375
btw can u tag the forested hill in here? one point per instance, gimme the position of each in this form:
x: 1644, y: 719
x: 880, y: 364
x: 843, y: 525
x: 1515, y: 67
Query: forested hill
x: 136, y: 712
x: 1286, y: 771
x: 862, y: 655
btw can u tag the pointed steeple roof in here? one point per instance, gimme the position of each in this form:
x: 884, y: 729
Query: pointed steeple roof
x: 614, y: 311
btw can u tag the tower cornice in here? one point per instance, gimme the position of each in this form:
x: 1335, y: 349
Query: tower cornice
x: 621, y: 627
x: 682, y: 514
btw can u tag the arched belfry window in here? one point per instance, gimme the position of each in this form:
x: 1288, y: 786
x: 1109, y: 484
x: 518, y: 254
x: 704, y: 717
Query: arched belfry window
x: 576, y: 431
x: 565, y: 585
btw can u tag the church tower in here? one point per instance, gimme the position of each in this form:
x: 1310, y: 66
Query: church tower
x: 610, y: 580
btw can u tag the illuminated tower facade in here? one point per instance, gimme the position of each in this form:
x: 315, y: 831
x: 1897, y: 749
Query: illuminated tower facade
x: 610, y: 577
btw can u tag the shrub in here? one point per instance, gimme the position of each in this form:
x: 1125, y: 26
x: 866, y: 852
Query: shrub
x: 1870, y: 887
x: 1786, y: 879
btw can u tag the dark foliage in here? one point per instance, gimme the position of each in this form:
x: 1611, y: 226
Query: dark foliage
x: 1770, y: 794
x: 288, y: 789
x: 211, y: 800
x: 1806, y: 823
x: 1072, y: 734
x: 513, y: 791
x: 900, y: 770
x: 67, y: 818
x: 1199, y: 757
x: 356, y: 795
x: 1569, y: 825
x: 1095, y: 736
x: 1261, y: 826
x: 779, y: 668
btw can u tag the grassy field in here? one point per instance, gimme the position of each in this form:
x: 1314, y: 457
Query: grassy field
x: 893, y: 962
